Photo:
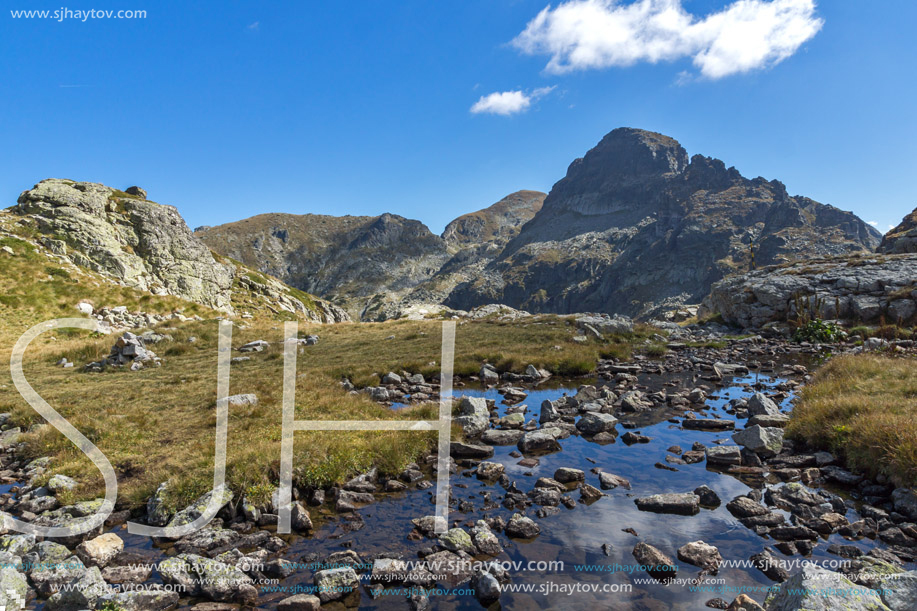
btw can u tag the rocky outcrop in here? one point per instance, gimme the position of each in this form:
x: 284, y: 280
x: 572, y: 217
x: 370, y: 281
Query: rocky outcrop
x: 124, y: 238
x: 865, y: 289
x: 636, y: 225
x: 903, y: 238
x: 136, y: 241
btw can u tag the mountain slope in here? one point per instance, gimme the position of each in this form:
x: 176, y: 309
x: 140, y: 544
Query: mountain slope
x: 495, y: 224
x: 348, y: 259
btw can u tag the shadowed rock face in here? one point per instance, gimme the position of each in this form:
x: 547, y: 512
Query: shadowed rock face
x: 635, y: 225
x: 349, y: 259
x: 903, y: 238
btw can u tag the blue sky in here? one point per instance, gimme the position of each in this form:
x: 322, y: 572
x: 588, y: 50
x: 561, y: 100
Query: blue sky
x: 230, y: 109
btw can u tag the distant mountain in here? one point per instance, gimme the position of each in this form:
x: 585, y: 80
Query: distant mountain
x: 635, y: 226
x: 374, y: 266
x: 496, y: 224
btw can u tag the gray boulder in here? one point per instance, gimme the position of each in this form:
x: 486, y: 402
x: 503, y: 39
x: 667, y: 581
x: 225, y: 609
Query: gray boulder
x: 209, y: 578
x: 538, y: 442
x: 899, y: 591
x: 761, y: 405
x: 594, y: 423
x: 686, y: 504
x: 760, y: 440
x: 335, y: 584
x: 521, y: 527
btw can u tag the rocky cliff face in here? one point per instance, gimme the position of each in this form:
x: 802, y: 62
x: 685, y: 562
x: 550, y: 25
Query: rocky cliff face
x: 379, y: 267
x: 347, y: 259
x: 902, y: 238
x: 637, y: 225
x: 139, y: 243
x: 866, y: 288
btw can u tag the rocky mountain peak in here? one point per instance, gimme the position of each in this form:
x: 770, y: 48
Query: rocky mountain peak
x: 903, y: 238
x: 634, y: 225
x: 393, y: 231
x: 638, y: 153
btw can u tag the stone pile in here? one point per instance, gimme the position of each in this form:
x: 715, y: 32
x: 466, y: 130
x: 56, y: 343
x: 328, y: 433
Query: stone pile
x: 130, y: 350
x: 118, y: 318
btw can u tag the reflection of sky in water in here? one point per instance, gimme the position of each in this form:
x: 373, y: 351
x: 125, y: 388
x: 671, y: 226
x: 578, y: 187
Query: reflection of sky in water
x: 576, y: 536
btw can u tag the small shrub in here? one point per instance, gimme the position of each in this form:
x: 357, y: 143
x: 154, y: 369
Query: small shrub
x: 819, y: 331
x: 655, y: 350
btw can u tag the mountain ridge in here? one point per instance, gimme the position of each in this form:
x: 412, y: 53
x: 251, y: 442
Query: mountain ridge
x: 636, y: 225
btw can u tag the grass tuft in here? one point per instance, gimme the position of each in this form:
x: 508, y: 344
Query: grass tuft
x: 864, y: 409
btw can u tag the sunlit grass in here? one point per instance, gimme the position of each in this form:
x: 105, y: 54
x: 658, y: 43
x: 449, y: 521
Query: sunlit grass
x: 864, y: 409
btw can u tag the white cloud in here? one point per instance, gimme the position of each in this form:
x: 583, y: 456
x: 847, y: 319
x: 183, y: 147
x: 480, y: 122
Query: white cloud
x: 254, y: 26
x: 873, y: 223
x: 743, y: 36
x: 508, y: 102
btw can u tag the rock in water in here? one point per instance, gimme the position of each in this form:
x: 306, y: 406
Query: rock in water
x: 816, y: 589
x: 522, y: 527
x: 700, y: 554
x: 686, y: 504
x: 658, y: 565
x: 763, y: 441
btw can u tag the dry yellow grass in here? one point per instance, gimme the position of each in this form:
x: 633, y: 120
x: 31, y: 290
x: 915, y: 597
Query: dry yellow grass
x: 864, y: 409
